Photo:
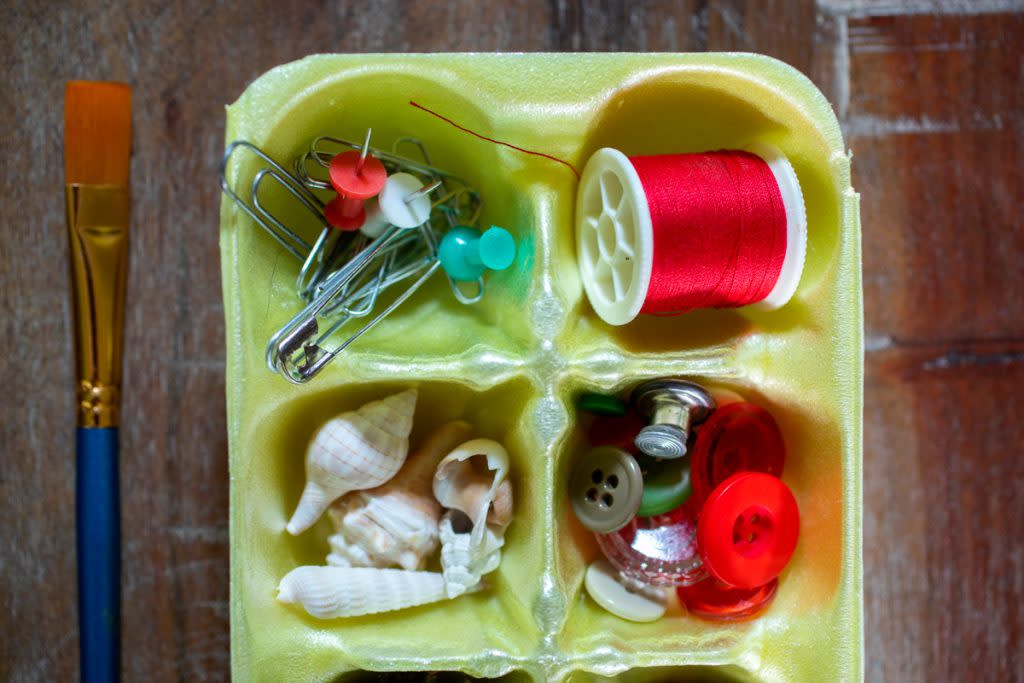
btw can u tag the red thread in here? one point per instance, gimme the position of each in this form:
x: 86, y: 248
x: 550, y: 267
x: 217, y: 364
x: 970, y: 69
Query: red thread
x: 719, y: 230
x: 497, y: 142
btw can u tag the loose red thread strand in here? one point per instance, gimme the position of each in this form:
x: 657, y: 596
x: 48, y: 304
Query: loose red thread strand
x: 719, y: 230
x: 497, y: 142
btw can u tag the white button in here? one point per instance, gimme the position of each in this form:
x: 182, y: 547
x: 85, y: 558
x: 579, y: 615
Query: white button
x: 639, y: 603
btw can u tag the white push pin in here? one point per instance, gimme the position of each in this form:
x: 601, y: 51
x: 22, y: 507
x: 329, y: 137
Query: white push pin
x: 404, y: 203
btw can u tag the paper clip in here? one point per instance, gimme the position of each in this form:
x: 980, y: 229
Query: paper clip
x: 342, y: 274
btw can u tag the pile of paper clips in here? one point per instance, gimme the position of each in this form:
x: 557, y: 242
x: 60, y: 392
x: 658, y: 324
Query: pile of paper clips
x: 422, y: 218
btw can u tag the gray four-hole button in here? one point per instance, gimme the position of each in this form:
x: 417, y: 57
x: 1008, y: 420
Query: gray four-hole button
x: 605, y: 489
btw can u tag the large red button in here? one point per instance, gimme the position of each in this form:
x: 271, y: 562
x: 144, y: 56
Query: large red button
x: 748, y: 529
x: 738, y: 437
x: 711, y: 599
x: 660, y: 550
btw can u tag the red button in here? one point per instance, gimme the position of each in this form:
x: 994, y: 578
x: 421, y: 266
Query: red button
x: 660, y: 550
x: 616, y: 430
x: 711, y: 599
x: 738, y: 437
x: 748, y: 529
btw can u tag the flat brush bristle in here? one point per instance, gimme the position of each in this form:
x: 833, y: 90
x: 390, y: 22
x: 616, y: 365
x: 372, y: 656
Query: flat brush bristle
x: 97, y: 133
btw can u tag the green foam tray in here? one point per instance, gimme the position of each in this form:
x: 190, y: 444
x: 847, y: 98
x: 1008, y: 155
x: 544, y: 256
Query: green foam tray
x: 512, y: 364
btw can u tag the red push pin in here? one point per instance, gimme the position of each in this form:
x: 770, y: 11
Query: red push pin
x: 356, y: 177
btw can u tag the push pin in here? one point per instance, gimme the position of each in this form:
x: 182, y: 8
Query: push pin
x: 356, y: 177
x: 404, y: 203
x: 671, y: 407
x: 466, y: 255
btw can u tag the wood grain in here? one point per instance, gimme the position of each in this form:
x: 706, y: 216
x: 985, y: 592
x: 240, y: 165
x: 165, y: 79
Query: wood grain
x: 932, y: 106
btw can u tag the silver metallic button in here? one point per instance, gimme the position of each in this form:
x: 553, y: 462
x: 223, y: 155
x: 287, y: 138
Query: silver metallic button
x: 671, y: 407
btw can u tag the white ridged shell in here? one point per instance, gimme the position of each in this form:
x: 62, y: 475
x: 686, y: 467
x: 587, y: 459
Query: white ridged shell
x: 330, y: 592
x: 465, y: 562
x: 394, y: 524
x: 473, y: 479
x: 356, y: 450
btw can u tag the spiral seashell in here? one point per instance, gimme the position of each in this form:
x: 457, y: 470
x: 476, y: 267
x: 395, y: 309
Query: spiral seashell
x: 465, y: 562
x: 356, y: 450
x: 472, y: 479
x: 330, y: 592
x: 396, y: 523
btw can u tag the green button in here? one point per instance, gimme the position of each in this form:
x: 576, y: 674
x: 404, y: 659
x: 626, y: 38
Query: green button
x: 601, y: 404
x: 666, y: 485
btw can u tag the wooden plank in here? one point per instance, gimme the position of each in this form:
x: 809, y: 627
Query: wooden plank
x: 942, y: 513
x: 935, y: 115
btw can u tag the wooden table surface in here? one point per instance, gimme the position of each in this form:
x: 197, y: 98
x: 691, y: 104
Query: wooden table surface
x: 930, y: 94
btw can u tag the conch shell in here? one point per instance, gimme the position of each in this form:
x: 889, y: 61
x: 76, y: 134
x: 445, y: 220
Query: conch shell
x: 356, y: 450
x: 394, y: 524
x: 329, y: 592
x: 464, y: 563
x: 472, y: 479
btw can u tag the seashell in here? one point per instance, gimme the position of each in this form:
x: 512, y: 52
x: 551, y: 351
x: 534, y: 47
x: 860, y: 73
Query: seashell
x: 472, y: 479
x: 329, y: 592
x: 357, y: 450
x: 396, y: 523
x: 465, y: 562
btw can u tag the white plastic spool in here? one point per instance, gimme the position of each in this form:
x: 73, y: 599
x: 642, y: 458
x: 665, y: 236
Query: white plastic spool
x: 615, y: 235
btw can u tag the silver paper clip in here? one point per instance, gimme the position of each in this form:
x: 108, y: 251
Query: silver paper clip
x: 342, y: 274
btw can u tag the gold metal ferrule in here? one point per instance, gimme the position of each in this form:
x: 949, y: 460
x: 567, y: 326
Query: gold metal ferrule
x: 98, y: 218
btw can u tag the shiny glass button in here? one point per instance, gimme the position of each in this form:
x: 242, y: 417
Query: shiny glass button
x: 660, y: 550
x: 605, y: 488
x: 738, y: 437
x: 711, y: 599
x: 748, y: 529
x: 637, y: 602
x: 666, y: 484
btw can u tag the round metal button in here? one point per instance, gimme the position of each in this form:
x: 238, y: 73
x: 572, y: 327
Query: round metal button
x: 637, y: 602
x: 605, y: 489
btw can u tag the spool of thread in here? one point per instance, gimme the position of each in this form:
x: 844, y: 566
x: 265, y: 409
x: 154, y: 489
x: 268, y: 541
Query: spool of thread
x: 670, y: 233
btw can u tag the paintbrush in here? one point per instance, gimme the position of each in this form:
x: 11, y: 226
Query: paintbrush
x: 97, y: 147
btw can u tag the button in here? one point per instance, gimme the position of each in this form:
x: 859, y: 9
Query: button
x: 605, y: 489
x: 660, y: 550
x: 748, y: 529
x: 635, y: 602
x: 616, y: 430
x: 666, y: 484
x: 601, y: 404
x: 711, y: 599
x: 738, y: 437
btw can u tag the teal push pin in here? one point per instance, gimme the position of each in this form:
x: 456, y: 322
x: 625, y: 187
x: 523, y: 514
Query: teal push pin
x: 465, y: 254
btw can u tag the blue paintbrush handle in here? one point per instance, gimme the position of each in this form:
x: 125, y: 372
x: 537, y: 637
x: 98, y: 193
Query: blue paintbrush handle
x: 98, y: 508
